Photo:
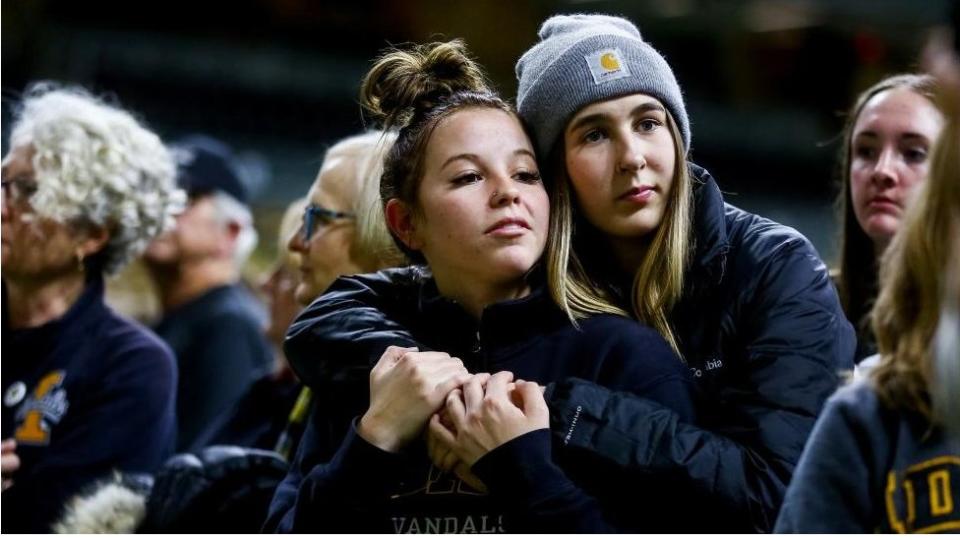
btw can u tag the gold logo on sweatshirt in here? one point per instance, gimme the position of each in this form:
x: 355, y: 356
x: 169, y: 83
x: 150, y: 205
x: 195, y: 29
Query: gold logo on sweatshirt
x: 42, y: 410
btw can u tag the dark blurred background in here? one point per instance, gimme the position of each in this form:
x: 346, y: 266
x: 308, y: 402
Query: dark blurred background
x: 766, y: 81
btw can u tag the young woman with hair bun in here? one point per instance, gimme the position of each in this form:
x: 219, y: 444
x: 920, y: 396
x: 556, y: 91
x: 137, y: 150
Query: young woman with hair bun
x: 462, y: 194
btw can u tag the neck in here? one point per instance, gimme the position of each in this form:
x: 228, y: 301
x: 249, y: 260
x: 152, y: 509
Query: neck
x: 879, y: 246
x: 35, y: 303
x: 475, y: 296
x: 628, y: 253
x: 179, y: 284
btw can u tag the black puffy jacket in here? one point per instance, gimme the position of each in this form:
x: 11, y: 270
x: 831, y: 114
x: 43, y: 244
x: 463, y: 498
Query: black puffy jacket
x: 759, y: 325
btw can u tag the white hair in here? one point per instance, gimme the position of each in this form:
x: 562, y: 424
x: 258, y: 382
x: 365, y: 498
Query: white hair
x: 230, y: 210
x: 95, y: 164
x: 365, y: 155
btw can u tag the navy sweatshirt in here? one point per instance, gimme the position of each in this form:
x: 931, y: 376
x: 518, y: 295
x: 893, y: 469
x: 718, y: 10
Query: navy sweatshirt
x: 339, y: 482
x: 868, y: 468
x: 84, y: 395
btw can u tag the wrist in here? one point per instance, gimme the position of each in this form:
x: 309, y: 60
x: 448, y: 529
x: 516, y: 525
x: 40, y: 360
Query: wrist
x: 375, y: 432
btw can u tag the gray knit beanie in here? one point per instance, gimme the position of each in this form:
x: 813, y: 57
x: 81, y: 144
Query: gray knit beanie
x: 583, y: 59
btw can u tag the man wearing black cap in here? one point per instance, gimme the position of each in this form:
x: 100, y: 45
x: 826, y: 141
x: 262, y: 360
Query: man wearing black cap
x: 212, y: 323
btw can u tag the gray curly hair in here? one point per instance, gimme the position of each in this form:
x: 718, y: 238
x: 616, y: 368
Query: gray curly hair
x: 95, y: 163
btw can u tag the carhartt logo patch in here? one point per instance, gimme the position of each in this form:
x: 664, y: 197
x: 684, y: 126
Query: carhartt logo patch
x: 607, y: 65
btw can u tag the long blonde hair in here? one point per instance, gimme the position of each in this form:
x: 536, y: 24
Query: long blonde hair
x: 580, y: 277
x: 913, y: 272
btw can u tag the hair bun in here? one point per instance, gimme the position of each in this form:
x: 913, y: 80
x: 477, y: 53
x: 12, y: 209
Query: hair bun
x: 402, y: 83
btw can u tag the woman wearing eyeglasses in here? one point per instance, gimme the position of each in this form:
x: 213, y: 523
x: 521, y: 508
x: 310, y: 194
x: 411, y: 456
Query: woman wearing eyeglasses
x: 86, y: 392
x: 343, y: 231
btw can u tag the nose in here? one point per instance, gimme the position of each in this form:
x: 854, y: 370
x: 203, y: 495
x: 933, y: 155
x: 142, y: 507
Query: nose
x: 8, y: 201
x: 505, y: 192
x: 296, y: 243
x: 884, y: 170
x: 630, y: 158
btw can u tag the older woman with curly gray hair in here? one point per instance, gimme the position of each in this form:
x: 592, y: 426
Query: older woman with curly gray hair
x: 85, y: 391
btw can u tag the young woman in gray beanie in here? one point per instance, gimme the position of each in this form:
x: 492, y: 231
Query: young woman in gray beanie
x: 637, y: 229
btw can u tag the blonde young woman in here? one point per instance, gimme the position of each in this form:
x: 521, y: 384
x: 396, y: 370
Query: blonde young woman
x: 638, y: 230
x: 879, y: 458
x: 462, y: 193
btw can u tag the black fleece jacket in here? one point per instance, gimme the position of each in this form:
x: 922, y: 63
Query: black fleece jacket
x: 339, y: 482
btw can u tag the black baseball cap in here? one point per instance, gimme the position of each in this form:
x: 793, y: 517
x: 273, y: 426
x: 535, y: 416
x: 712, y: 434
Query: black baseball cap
x: 205, y: 166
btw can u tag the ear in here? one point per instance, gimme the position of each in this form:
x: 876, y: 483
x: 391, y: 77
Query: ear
x: 401, y: 223
x: 231, y: 233
x: 92, y: 240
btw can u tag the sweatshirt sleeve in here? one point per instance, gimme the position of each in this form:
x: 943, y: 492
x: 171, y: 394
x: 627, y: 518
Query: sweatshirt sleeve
x: 346, y: 494
x: 357, y: 318
x: 831, y: 489
x: 541, y: 497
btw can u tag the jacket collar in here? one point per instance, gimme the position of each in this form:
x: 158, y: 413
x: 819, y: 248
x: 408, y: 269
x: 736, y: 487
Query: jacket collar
x: 501, y: 325
x: 711, y: 243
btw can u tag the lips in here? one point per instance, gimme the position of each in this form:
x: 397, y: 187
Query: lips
x: 508, y: 226
x: 638, y: 194
x: 883, y: 203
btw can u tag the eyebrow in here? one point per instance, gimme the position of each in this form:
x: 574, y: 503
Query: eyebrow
x: 474, y: 157
x: 597, y: 117
x: 907, y: 135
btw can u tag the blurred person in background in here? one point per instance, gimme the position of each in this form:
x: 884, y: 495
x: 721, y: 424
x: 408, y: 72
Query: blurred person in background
x: 211, y: 321
x: 227, y: 487
x: 85, y: 188
x: 879, y: 458
x: 260, y: 416
x: 890, y: 132
x: 942, y: 59
x: 343, y: 230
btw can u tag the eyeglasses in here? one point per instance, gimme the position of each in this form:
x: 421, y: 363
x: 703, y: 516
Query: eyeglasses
x: 18, y: 191
x: 314, y: 214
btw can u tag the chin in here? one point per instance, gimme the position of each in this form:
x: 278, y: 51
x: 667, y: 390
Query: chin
x: 636, y: 225
x: 160, y: 254
x: 882, y: 230
x: 303, y: 298
x: 512, y: 267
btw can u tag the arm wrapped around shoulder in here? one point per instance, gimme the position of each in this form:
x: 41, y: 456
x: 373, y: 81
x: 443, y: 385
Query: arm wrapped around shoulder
x: 342, y: 334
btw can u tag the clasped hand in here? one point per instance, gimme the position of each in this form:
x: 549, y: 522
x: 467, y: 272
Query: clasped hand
x: 468, y: 415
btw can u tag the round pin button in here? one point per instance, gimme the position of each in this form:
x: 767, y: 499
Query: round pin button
x: 14, y: 394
